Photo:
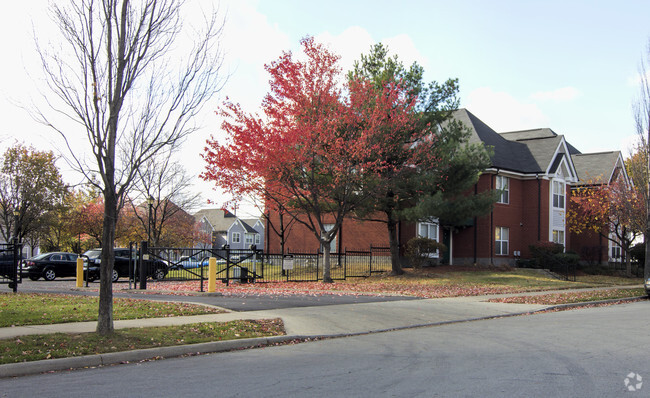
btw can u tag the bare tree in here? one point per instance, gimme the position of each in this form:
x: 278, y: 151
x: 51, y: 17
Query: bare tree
x: 642, y: 116
x: 119, y: 75
x: 166, y: 184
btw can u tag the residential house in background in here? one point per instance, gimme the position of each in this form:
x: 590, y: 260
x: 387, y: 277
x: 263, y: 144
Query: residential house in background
x: 598, y: 169
x: 221, y: 227
x: 535, y: 171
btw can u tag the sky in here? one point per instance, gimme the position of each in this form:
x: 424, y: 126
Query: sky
x: 572, y: 66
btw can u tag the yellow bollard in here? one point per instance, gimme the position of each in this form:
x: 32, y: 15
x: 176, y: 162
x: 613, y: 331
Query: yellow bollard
x: 212, y: 275
x: 80, y: 272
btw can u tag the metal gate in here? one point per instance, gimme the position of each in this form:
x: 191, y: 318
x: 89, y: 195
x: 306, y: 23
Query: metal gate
x: 10, y: 256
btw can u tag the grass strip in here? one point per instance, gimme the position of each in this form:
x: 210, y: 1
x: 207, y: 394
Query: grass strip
x: 19, y: 309
x: 62, y: 345
x: 573, y: 297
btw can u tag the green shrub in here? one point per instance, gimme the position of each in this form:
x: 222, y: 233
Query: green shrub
x: 419, y: 251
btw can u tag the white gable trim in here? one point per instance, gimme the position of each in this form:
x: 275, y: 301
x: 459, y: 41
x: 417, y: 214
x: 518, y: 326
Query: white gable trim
x: 566, y: 161
x: 619, y: 163
x: 205, y: 219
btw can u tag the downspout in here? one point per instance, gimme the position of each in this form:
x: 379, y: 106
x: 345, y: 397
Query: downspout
x: 267, y: 244
x: 492, y: 222
x: 539, y: 208
x: 475, y: 228
x: 451, y: 246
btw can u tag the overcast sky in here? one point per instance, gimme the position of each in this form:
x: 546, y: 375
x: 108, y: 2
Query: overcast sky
x: 568, y: 65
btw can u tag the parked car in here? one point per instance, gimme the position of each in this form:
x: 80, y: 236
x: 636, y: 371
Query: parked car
x: 188, y: 262
x: 7, y: 264
x: 156, y: 269
x: 50, y: 266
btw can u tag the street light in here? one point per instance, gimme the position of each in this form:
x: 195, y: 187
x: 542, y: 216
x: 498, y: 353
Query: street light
x: 150, y: 201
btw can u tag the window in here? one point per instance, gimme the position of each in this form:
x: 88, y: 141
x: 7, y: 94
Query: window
x: 501, y: 235
x: 558, y: 237
x: 614, y: 250
x: 236, y: 237
x: 248, y: 239
x: 558, y: 194
x: 258, y: 239
x: 503, y: 185
x: 428, y: 230
x: 333, y: 247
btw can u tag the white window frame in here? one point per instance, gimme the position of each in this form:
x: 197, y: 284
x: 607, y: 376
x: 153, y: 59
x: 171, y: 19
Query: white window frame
x: 503, y: 183
x: 333, y: 243
x: 249, y: 238
x: 428, y: 230
x: 258, y: 239
x: 615, y: 250
x: 558, y: 236
x: 236, y: 237
x: 501, y: 241
x: 559, y: 195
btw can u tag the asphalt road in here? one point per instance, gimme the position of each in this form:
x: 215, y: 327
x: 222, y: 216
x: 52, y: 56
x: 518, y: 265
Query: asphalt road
x: 235, y: 302
x: 580, y: 353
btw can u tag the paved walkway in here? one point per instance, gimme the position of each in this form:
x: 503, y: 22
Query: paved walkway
x: 300, y: 323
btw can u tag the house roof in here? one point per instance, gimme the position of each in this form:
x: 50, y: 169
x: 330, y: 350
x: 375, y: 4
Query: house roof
x: 597, y: 168
x: 219, y: 219
x: 535, y: 134
x: 252, y: 221
x: 222, y: 220
x: 538, y: 151
x: 507, y: 155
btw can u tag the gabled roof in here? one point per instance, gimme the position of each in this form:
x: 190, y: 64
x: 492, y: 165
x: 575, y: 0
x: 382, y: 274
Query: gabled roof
x: 599, y: 168
x: 247, y: 227
x: 507, y: 155
x: 538, y: 151
x: 253, y: 221
x: 219, y: 219
x: 535, y: 134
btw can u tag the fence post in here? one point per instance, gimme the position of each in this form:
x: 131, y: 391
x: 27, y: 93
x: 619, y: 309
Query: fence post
x: 18, y: 251
x: 227, y: 249
x: 144, y: 251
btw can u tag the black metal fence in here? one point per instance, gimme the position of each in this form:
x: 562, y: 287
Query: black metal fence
x: 253, y: 265
x: 10, y: 256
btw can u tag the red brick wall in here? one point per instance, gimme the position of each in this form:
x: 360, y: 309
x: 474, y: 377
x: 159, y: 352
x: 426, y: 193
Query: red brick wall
x: 359, y: 235
x: 521, y: 216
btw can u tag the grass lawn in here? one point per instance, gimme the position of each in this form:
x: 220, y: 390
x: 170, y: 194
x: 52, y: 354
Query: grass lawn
x: 573, y: 297
x: 18, y: 309
x: 28, y: 309
x: 61, y: 345
x: 427, y: 283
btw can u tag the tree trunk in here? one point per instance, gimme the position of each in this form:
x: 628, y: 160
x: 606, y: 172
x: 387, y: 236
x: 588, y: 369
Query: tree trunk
x: 628, y: 263
x: 327, y: 276
x: 105, y: 314
x: 646, y: 237
x: 394, y: 247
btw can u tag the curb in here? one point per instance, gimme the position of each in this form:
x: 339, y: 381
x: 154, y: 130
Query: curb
x: 86, y: 361
x: 598, y: 302
x: 62, y: 364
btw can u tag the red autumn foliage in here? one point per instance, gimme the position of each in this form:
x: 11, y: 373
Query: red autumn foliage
x: 319, y: 146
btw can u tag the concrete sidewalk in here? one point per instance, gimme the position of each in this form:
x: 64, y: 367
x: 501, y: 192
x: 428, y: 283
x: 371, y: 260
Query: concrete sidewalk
x: 300, y: 323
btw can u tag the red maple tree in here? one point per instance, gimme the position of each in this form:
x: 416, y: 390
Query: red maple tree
x: 314, y: 154
x: 615, y: 211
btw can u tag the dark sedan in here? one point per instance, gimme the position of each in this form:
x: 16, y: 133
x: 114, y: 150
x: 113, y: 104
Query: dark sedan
x: 50, y: 266
x: 156, y: 269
